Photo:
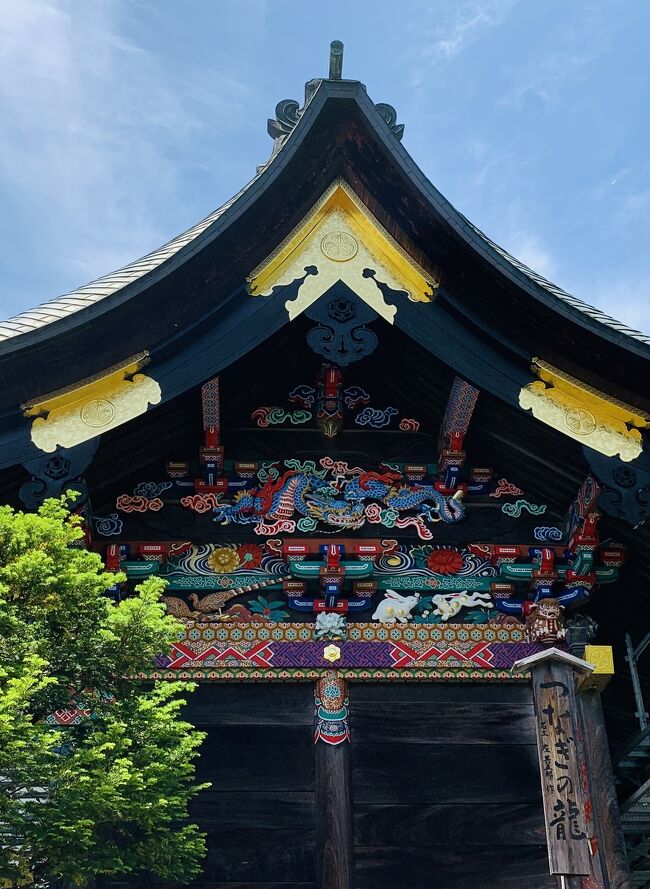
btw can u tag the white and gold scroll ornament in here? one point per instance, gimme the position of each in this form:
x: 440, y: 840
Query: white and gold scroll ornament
x: 583, y: 413
x: 341, y: 240
x: 73, y: 415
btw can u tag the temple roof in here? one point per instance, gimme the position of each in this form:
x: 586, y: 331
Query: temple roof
x: 193, y: 307
x: 286, y: 131
x: 88, y: 294
x: 164, y: 324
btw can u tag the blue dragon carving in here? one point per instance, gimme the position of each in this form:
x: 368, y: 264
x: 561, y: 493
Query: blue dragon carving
x: 342, y: 504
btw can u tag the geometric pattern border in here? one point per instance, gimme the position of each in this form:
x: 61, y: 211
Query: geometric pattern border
x: 284, y: 651
x: 375, y: 675
x: 304, y: 632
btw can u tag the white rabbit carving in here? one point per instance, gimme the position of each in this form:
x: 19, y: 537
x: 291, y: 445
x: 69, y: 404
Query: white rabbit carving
x: 449, y: 604
x: 395, y: 607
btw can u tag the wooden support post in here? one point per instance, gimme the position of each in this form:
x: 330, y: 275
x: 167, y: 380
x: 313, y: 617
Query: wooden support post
x: 334, y: 841
x: 557, y: 725
x: 333, y: 816
x: 607, y: 819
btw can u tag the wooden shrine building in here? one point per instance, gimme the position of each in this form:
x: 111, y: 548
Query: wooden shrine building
x: 397, y: 483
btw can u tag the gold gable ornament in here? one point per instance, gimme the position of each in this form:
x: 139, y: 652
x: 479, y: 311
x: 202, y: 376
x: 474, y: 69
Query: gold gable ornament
x: 583, y: 413
x: 341, y: 240
x: 80, y: 412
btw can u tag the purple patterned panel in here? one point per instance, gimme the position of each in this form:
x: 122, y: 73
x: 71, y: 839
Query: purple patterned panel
x: 505, y: 654
x: 367, y: 654
x: 353, y: 654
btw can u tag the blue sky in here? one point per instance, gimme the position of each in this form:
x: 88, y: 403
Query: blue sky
x: 126, y: 121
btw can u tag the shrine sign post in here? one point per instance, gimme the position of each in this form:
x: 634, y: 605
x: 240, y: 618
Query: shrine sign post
x: 553, y: 675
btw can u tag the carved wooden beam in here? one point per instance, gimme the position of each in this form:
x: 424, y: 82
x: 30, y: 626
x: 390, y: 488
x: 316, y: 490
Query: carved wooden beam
x: 453, y: 429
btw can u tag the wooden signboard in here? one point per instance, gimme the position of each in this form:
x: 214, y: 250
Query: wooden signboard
x: 557, y: 740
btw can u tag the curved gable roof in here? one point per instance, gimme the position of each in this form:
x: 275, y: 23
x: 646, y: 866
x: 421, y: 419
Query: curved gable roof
x: 44, y: 318
x: 88, y: 294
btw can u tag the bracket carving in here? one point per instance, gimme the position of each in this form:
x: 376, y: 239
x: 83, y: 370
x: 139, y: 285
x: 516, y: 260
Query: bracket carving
x: 91, y: 407
x: 583, y: 413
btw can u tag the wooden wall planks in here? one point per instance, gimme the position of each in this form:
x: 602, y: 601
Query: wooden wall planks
x: 239, y: 704
x: 443, y: 722
x: 429, y: 692
x: 248, y: 758
x: 210, y: 884
x: 445, y: 787
x: 433, y: 773
x: 246, y: 885
x: 446, y: 790
x: 257, y: 854
x: 259, y: 815
x: 226, y: 809
x: 449, y: 824
x: 457, y: 867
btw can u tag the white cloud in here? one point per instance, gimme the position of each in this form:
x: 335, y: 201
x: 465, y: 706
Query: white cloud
x: 456, y: 27
x: 626, y: 298
x: 563, y: 60
x: 528, y: 248
x: 92, y: 127
x: 468, y: 23
x: 547, y: 80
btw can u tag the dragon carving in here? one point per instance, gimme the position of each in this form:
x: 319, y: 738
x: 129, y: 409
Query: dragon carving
x: 340, y: 502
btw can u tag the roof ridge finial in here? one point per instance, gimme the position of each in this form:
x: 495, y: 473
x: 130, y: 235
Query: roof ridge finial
x: 336, y: 60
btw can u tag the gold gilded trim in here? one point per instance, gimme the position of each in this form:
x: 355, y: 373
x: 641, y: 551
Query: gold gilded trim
x: 69, y: 416
x: 583, y: 413
x: 341, y: 238
x: 602, y: 658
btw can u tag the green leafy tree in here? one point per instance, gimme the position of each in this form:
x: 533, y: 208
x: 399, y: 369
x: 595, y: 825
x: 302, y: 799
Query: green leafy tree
x: 109, y: 794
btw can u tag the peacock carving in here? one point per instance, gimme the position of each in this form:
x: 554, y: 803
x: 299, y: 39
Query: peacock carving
x: 208, y: 608
x: 178, y: 608
x: 212, y: 602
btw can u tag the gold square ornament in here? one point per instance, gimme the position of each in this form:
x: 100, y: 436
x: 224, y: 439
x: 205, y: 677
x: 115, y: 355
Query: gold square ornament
x: 602, y: 657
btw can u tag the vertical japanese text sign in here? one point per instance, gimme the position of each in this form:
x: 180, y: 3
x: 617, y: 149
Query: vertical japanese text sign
x: 557, y: 739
